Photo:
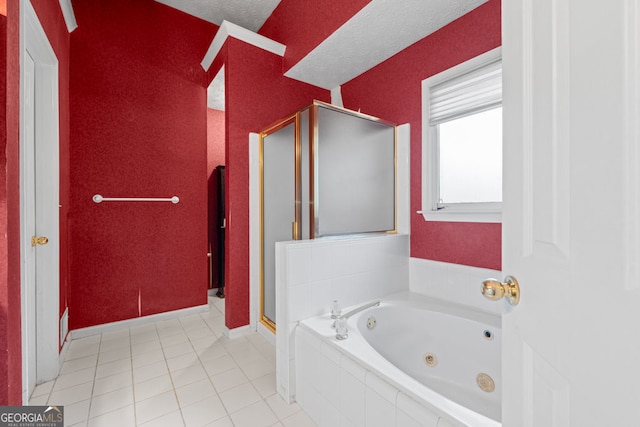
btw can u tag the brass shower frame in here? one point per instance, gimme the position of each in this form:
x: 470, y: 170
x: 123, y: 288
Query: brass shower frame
x: 313, y: 153
x: 295, y: 118
x: 296, y: 229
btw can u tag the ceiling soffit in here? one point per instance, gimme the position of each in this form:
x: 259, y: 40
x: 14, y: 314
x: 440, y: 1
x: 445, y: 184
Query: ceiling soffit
x: 249, y: 14
x: 380, y: 30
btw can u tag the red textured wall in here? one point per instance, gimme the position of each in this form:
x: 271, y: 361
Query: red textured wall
x: 392, y: 90
x: 52, y: 20
x: 257, y: 94
x: 10, y: 331
x: 4, y: 265
x: 138, y: 108
x: 303, y: 25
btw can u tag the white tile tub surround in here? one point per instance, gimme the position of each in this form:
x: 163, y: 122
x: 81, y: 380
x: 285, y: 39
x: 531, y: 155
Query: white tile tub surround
x: 310, y: 274
x: 459, y: 284
x: 335, y: 390
x: 349, y: 381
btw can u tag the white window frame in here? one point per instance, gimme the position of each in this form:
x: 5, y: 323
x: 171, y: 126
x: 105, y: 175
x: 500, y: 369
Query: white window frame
x: 458, y: 212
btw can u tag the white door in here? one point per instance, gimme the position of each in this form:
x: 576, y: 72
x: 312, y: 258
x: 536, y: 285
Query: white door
x: 571, y: 220
x: 28, y: 194
x: 39, y: 195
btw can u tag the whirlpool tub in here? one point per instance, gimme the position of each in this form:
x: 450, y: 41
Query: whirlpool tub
x: 409, y: 361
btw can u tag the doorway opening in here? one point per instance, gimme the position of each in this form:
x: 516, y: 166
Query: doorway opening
x: 216, y: 193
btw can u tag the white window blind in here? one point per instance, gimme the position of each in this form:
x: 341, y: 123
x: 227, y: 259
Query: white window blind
x: 469, y: 93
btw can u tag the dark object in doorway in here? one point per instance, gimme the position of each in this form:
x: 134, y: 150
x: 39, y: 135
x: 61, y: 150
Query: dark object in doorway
x: 217, y: 226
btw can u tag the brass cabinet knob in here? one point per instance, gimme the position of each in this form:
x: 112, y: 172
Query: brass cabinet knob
x: 39, y: 240
x: 494, y: 290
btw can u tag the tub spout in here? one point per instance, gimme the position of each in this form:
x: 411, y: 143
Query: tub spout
x: 361, y: 308
x: 341, y: 322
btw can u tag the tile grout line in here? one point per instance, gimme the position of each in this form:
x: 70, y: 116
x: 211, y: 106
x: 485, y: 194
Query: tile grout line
x: 173, y: 386
x: 227, y: 414
x: 93, y: 385
x: 262, y: 398
x: 192, y: 331
x: 133, y: 383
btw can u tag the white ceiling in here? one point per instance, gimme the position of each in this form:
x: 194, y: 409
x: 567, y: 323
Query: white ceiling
x: 380, y: 30
x: 249, y: 14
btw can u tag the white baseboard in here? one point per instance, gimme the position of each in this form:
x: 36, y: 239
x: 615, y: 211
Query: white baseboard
x: 63, y: 354
x: 267, y: 334
x: 237, y: 332
x: 64, y: 326
x: 138, y: 321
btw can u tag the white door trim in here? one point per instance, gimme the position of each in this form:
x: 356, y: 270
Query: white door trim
x: 47, y: 295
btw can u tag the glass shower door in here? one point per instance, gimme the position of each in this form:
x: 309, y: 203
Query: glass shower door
x: 280, y: 205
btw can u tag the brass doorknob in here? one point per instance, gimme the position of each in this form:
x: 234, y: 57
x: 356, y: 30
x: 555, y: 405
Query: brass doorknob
x: 39, y: 240
x: 494, y: 290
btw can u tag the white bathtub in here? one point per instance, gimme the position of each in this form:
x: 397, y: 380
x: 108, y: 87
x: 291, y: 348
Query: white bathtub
x: 387, y: 351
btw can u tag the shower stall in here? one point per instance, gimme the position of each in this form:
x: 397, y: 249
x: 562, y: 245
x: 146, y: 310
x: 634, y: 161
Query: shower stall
x: 325, y: 171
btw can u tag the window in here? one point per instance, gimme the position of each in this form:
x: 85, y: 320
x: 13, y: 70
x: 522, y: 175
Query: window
x: 462, y: 142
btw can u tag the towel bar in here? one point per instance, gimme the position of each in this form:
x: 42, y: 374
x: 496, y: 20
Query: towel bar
x: 99, y: 199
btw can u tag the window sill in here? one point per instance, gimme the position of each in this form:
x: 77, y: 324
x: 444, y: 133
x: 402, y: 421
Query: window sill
x: 453, y: 215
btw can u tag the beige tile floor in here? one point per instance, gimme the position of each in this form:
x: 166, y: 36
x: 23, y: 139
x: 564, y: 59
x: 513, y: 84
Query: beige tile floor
x: 180, y: 372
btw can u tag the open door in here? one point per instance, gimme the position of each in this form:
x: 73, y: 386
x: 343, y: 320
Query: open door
x: 39, y: 204
x: 571, y: 212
